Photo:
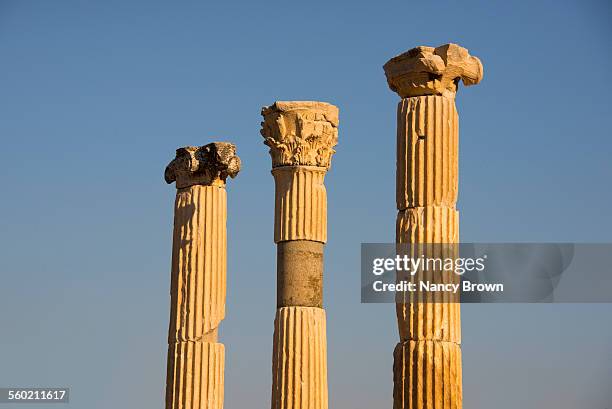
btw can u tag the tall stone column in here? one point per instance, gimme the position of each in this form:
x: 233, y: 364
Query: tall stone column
x: 195, y: 374
x: 301, y: 136
x: 427, y: 360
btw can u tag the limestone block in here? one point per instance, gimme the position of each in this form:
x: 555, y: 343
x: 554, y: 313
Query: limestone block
x: 431, y: 224
x: 300, y: 132
x: 299, y: 266
x: 300, y: 205
x: 299, y: 369
x: 198, y: 281
x: 439, y: 317
x: 431, y: 321
x: 432, y: 71
x: 427, y: 375
x: 427, y: 152
x: 195, y: 375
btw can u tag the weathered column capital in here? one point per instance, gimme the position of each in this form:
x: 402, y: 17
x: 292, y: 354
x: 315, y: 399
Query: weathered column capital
x: 300, y: 132
x: 209, y: 164
x: 432, y: 71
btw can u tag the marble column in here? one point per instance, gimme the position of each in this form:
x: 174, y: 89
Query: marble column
x: 301, y: 136
x: 427, y: 360
x: 195, y: 376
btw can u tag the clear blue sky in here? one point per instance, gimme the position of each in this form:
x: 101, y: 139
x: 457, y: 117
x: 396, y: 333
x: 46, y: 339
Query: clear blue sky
x: 95, y: 97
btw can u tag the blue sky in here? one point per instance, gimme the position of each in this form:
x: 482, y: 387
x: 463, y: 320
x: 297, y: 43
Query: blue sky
x: 96, y: 96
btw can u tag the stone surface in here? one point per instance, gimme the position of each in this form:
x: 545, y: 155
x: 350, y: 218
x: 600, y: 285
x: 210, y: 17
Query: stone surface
x: 435, y: 320
x: 427, y: 361
x: 299, y: 266
x: 299, y: 359
x: 427, y: 175
x: 429, y: 224
x: 300, y: 132
x: 426, y: 195
x: 198, y: 280
x: 300, y: 206
x: 210, y: 164
x: 432, y: 71
x: 427, y: 375
x: 195, y: 375
x: 198, y: 276
x: 301, y: 136
x: 427, y: 152
x: 439, y: 317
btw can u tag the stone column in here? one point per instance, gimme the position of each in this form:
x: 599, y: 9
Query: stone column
x: 427, y: 360
x: 301, y: 136
x: 195, y: 358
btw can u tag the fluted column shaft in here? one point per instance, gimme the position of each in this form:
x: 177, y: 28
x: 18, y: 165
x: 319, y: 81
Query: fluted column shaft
x: 427, y: 368
x: 195, y: 358
x: 427, y: 360
x: 195, y: 375
x: 300, y: 206
x: 299, y: 362
x: 427, y: 175
x: 301, y: 136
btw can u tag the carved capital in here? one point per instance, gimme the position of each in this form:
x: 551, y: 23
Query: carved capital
x: 432, y: 71
x: 300, y: 132
x: 210, y: 164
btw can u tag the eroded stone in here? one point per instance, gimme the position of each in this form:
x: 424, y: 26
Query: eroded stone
x: 427, y: 361
x: 432, y: 71
x: 210, y: 164
x: 299, y: 266
x: 195, y: 376
x: 300, y: 132
x: 301, y: 136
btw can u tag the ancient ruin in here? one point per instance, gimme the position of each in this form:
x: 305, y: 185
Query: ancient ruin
x: 427, y: 360
x: 301, y: 136
x: 195, y: 376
